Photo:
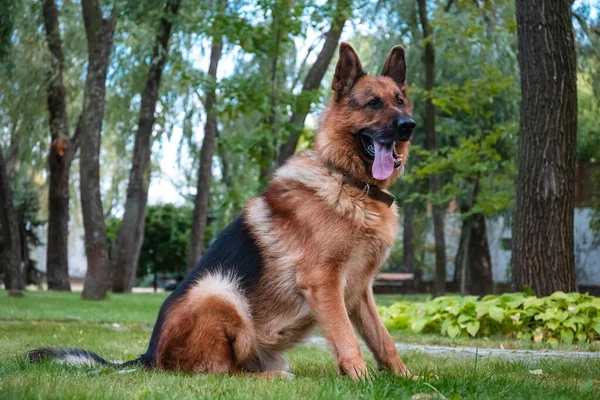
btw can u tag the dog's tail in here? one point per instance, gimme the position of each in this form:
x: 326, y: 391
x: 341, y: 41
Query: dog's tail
x: 76, y: 357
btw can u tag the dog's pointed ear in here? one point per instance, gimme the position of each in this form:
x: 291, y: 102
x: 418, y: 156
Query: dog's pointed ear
x: 347, y: 71
x: 395, y: 66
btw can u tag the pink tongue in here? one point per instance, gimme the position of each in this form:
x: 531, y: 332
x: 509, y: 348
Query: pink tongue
x: 383, y: 166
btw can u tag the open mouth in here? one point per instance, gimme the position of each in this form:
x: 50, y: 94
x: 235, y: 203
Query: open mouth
x: 369, y: 149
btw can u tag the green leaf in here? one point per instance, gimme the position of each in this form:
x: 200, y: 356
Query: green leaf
x: 496, y: 313
x: 464, y: 318
x: 528, y: 290
x: 566, y: 336
x: 473, y: 327
x: 597, y: 325
x: 552, y: 324
x: 419, y: 324
x: 482, y: 309
x: 533, y: 302
x: 453, y: 331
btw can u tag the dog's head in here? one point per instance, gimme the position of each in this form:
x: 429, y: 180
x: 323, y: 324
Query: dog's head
x: 368, y: 125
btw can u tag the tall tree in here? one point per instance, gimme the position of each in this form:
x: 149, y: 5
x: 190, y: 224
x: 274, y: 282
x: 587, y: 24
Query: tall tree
x: 62, y: 151
x: 13, y: 269
x: 211, y: 131
x: 313, y: 80
x: 473, y: 263
x: 543, y: 243
x: 99, y: 34
x: 280, y: 13
x: 408, y: 242
x: 431, y: 144
x: 131, y: 232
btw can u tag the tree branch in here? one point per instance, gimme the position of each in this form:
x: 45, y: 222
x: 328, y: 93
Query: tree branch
x: 313, y: 81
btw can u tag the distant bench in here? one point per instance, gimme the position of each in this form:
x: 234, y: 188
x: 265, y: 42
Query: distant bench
x: 394, y: 282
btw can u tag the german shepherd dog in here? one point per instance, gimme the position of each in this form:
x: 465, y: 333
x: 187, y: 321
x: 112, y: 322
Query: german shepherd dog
x: 305, y: 252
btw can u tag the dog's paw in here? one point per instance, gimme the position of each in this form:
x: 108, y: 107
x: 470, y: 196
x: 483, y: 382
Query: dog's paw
x: 357, y: 371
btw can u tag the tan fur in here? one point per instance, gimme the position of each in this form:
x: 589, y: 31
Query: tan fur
x: 322, y: 242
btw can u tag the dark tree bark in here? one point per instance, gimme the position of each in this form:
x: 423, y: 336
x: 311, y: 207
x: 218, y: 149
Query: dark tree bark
x: 543, y: 242
x: 14, y: 279
x: 439, y: 287
x: 99, y: 33
x: 131, y: 233
x: 408, y: 237
x: 473, y: 263
x: 473, y: 272
x: 312, y: 82
x: 279, y: 10
x: 62, y: 151
x: 211, y: 131
x: 408, y: 243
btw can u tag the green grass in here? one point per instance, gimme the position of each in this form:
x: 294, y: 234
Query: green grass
x: 120, y: 328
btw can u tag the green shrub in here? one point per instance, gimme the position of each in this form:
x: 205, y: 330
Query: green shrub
x: 565, y: 317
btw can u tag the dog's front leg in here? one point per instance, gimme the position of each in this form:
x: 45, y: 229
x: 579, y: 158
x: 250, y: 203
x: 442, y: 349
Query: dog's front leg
x: 371, y: 329
x: 324, y: 294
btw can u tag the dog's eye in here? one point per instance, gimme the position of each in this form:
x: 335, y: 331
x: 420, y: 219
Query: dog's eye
x: 374, y: 103
x: 400, y: 102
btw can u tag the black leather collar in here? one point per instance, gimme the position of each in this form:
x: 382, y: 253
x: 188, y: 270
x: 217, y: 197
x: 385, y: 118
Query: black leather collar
x: 373, y: 191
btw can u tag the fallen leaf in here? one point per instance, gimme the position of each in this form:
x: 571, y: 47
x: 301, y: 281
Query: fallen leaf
x: 423, y: 396
x: 126, y: 371
x: 535, y: 371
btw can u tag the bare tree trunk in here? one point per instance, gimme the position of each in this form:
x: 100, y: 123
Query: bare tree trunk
x: 543, y: 242
x: 99, y: 32
x: 408, y: 242
x: 473, y: 260
x: 62, y: 151
x: 14, y: 279
x: 480, y: 270
x: 131, y: 232
x: 473, y: 272
x: 439, y: 287
x: 207, y: 151
x: 313, y: 81
x: 268, y: 151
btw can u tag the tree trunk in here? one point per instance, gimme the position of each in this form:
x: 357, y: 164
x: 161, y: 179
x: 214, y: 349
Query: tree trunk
x: 131, y: 232
x: 207, y: 151
x: 439, y: 287
x: 543, y: 240
x: 313, y: 82
x: 473, y: 260
x: 99, y: 32
x: 473, y: 263
x: 14, y: 279
x: 480, y: 270
x: 268, y: 151
x: 62, y: 151
x: 408, y: 242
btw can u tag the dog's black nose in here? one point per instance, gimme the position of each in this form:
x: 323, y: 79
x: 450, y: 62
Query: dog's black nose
x: 404, y: 127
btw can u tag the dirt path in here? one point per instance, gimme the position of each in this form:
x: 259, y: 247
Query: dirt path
x: 529, y: 355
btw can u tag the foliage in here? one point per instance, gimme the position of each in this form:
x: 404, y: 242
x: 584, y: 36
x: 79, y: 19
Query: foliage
x: 565, y: 317
x: 166, y: 236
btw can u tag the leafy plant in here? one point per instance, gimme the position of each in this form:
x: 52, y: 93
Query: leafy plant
x: 565, y: 317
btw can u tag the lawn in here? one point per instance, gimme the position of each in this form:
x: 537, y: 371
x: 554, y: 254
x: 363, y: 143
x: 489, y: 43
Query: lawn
x: 119, y: 328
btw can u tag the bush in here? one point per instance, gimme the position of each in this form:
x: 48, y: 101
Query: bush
x: 562, y: 317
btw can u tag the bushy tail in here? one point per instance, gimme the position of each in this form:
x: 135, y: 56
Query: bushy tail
x: 76, y: 357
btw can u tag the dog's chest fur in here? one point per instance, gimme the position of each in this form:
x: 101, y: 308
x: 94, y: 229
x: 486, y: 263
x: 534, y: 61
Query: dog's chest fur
x: 308, y: 220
